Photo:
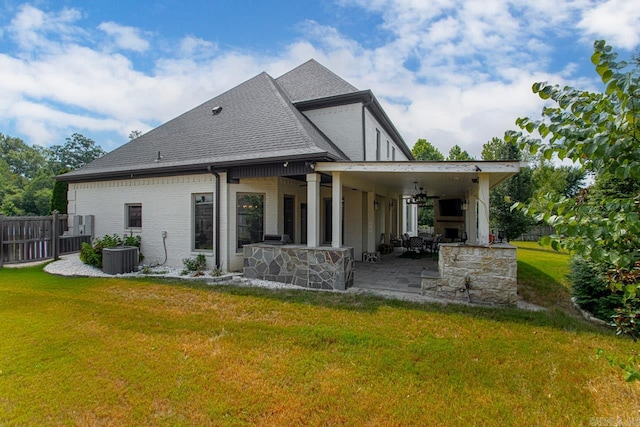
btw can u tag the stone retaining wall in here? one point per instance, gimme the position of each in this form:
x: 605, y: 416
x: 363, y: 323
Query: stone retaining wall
x: 477, y: 274
x: 318, y: 268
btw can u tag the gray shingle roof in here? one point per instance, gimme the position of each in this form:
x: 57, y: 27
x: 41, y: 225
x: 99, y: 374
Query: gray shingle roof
x: 257, y: 122
x: 312, y: 81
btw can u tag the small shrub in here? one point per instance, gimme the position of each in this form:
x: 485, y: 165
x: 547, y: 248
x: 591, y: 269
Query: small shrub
x: 92, y: 254
x: 591, y: 291
x: 194, y: 264
x: 217, y: 272
x: 136, y: 241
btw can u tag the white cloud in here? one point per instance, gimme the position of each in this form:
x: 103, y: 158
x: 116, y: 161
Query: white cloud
x: 617, y: 21
x: 32, y: 28
x: 127, y: 38
x: 191, y: 46
x: 474, y: 66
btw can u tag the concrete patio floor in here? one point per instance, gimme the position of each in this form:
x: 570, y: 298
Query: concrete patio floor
x: 393, y: 273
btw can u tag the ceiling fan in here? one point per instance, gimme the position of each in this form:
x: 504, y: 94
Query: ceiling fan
x: 420, y: 198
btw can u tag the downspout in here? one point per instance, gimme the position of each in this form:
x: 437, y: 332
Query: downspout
x: 214, y: 173
x: 364, y: 135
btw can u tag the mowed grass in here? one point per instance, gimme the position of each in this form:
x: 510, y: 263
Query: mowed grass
x: 89, y: 351
x: 542, y: 275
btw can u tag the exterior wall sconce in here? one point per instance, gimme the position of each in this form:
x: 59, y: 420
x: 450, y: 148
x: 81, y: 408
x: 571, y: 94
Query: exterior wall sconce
x: 391, y: 203
x: 465, y: 205
x: 376, y: 205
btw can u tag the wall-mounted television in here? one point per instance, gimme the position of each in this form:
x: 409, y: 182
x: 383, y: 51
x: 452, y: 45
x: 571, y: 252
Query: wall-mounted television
x: 450, y: 207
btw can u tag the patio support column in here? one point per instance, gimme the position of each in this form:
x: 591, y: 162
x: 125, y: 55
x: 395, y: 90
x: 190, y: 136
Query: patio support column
x: 471, y: 218
x: 483, y: 209
x: 386, y: 220
x: 336, y: 210
x: 371, y: 222
x: 313, y: 210
x: 398, y: 214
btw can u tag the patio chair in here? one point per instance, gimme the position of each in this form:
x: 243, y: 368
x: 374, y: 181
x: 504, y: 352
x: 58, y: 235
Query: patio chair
x: 395, y: 242
x: 384, y: 248
x: 435, y: 246
x: 416, y: 243
x: 405, y: 241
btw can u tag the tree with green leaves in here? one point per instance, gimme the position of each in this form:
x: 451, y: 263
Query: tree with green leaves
x: 457, y: 153
x: 59, y: 196
x: 23, y: 160
x: 26, y: 173
x: 424, y: 150
x: 75, y: 153
x: 517, y: 188
x: 134, y: 134
x: 600, y: 132
x: 20, y: 164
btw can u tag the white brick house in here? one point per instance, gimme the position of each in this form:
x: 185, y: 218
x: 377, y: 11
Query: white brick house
x: 272, y: 156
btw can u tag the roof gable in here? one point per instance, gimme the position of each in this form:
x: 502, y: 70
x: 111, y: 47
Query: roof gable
x: 311, y: 80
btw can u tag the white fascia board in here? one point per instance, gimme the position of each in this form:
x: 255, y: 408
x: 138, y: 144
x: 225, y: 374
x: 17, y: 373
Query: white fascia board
x: 422, y: 167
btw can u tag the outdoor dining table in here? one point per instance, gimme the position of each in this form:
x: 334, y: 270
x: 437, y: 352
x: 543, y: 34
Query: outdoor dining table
x: 428, y: 243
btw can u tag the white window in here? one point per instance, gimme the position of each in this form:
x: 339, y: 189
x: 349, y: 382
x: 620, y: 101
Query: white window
x: 133, y: 215
x: 203, y: 222
x: 250, y: 219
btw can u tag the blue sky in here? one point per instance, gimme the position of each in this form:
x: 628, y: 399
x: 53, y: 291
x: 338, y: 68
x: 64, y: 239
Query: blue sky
x: 452, y: 71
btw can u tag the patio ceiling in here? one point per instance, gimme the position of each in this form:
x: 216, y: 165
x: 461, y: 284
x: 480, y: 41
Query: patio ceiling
x: 437, y: 178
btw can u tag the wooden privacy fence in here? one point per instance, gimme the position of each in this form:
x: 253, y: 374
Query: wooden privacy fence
x: 35, y: 238
x: 535, y: 233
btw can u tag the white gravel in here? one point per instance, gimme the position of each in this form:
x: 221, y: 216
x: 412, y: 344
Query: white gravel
x: 70, y: 265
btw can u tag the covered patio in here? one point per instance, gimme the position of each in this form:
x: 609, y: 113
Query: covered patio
x: 356, y: 209
x: 393, y: 272
x: 386, y: 186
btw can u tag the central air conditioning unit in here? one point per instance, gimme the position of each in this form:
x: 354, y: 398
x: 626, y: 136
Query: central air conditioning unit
x: 120, y: 259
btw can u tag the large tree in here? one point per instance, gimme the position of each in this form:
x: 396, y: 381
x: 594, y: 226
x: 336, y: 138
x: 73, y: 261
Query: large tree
x: 517, y: 188
x: 457, y: 153
x: 424, y: 150
x: 26, y: 173
x: 75, y: 153
x: 23, y: 160
x: 551, y: 181
x: 600, y: 132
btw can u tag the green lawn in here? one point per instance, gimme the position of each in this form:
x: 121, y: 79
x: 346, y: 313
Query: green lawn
x: 542, y: 276
x: 79, y: 351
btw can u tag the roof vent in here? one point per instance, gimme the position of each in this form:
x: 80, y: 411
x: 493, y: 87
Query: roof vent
x: 159, y: 157
x: 216, y: 110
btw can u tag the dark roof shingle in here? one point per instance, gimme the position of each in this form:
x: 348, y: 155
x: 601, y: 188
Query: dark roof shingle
x: 257, y: 122
x: 312, y: 81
